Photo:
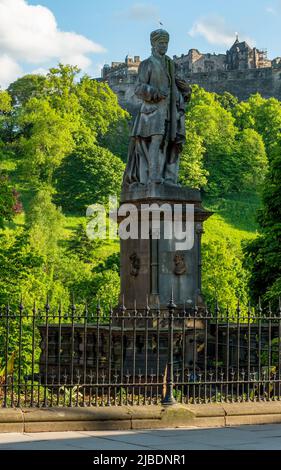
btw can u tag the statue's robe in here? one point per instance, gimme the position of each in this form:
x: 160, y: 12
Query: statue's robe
x: 165, y: 118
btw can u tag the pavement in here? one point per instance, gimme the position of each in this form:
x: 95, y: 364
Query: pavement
x: 241, y: 438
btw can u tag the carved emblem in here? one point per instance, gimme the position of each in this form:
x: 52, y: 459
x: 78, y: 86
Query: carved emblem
x: 135, y: 264
x: 179, y: 265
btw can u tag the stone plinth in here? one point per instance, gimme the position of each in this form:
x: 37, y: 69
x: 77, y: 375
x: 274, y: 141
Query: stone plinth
x: 152, y: 268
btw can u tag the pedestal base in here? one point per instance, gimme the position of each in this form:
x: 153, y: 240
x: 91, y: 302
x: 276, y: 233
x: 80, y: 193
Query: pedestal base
x: 154, y: 267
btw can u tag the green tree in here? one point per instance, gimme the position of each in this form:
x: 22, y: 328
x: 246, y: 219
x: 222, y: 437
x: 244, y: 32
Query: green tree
x: 100, y: 109
x: 47, y: 139
x: 224, y: 279
x: 18, y: 261
x: 250, y: 160
x: 263, y: 255
x: 262, y: 115
x: 117, y: 137
x: 54, y: 116
x: 24, y: 88
x: 45, y: 222
x: 7, y: 200
x: 5, y: 110
x: 215, y: 126
x: 80, y: 245
x: 228, y: 143
x: 88, y: 176
x: 192, y: 172
x: 5, y: 102
x: 227, y: 101
x: 106, y: 287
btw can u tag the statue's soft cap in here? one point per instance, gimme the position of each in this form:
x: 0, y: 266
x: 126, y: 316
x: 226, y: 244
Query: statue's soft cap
x: 159, y: 34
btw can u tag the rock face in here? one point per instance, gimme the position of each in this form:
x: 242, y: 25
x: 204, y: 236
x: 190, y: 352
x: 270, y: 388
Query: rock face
x: 242, y: 71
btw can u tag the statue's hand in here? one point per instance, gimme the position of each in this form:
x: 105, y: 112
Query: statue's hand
x: 159, y: 96
x: 185, y: 89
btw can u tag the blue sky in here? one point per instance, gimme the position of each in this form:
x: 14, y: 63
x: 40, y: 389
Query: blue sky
x: 110, y: 29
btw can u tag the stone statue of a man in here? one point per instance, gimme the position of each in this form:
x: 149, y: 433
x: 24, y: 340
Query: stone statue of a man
x: 158, y: 132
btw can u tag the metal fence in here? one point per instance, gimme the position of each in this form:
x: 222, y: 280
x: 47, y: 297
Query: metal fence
x: 193, y: 355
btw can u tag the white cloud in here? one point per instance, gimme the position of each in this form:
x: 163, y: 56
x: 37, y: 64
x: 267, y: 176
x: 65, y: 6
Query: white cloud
x: 40, y: 71
x: 30, y: 34
x: 270, y: 10
x: 9, y: 70
x: 141, y: 12
x: 215, y: 30
x: 97, y: 69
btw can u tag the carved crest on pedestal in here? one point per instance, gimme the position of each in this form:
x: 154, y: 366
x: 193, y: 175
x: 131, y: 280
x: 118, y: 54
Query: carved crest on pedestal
x: 135, y: 265
x: 180, y: 267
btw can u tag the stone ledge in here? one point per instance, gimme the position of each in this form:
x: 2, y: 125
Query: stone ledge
x: 242, y: 409
x: 11, y: 420
x: 66, y: 426
x: 161, y: 192
x: 244, y: 420
x: 11, y: 415
x: 143, y: 417
x: 76, y: 414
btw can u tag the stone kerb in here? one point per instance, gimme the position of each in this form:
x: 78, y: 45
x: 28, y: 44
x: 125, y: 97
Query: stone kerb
x: 144, y: 417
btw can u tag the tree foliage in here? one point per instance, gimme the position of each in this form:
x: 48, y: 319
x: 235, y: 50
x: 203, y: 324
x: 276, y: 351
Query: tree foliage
x: 7, y: 200
x: 57, y: 131
x: 64, y: 140
x: 192, y: 171
x: 262, y: 115
x: 221, y: 155
x: 224, y: 279
x: 25, y: 88
x: 88, y: 176
x: 263, y: 255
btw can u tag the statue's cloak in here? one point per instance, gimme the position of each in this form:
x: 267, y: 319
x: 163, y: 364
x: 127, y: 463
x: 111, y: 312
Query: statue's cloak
x: 165, y: 117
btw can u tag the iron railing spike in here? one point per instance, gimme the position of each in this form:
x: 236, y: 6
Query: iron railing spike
x: 123, y: 307
x: 269, y: 308
x: 172, y: 296
x: 147, y: 305
x: 47, y: 306
x: 135, y: 308
x: 232, y: 374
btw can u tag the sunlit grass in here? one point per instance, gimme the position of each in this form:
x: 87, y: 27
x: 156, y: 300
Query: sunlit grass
x: 234, y: 219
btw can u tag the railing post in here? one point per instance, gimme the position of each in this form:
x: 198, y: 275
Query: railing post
x: 7, y: 335
x: 21, y: 309
x: 169, y: 396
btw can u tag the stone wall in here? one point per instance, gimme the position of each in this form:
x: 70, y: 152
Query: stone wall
x: 242, y: 71
x: 125, y: 90
x: 239, y: 83
x: 196, y: 62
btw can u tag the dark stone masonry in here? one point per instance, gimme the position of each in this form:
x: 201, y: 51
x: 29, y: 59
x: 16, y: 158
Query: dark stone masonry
x: 242, y: 71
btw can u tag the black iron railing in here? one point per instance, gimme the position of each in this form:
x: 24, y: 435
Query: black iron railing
x: 191, y: 355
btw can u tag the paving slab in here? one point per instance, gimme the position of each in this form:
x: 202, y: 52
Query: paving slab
x: 240, y: 438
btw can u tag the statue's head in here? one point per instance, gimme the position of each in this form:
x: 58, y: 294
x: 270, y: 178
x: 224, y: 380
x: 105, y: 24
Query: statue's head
x: 160, y: 41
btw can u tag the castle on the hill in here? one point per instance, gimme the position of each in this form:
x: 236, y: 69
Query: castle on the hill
x: 242, y: 71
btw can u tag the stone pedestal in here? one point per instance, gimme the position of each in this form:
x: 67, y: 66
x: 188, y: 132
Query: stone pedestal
x: 152, y: 268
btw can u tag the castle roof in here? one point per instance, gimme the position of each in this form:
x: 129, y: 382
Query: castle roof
x: 242, y: 46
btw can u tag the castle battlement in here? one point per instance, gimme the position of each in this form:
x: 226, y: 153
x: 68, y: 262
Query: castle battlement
x: 242, y: 71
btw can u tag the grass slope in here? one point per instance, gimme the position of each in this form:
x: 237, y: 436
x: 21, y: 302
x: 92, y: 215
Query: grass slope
x: 234, y: 218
